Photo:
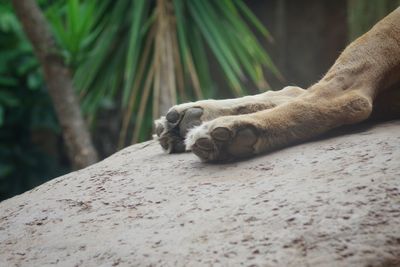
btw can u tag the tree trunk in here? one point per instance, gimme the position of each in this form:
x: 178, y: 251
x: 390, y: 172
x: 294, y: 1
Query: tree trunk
x: 58, y: 79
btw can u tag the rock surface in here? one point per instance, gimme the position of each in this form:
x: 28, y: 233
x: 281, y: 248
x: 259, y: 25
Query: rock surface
x: 331, y: 202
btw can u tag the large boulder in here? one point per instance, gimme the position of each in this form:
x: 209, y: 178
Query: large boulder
x: 330, y: 202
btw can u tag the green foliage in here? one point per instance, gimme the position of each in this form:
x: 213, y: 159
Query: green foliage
x: 117, y: 40
x: 25, y: 109
x: 73, y: 26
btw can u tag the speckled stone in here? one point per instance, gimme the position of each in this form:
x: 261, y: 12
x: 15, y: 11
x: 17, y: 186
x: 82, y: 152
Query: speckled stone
x: 331, y: 202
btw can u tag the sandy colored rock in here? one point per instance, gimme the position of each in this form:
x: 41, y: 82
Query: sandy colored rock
x: 331, y: 202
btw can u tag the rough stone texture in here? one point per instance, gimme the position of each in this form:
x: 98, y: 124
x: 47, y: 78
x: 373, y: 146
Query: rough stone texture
x: 331, y: 202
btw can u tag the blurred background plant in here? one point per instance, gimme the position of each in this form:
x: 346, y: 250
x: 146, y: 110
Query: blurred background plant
x: 30, y: 146
x: 362, y: 14
x: 131, y: 60
x: 144, y: 56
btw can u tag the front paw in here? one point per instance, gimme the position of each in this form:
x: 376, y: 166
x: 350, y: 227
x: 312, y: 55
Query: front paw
x: 223, y: 139
x: 171, y: 130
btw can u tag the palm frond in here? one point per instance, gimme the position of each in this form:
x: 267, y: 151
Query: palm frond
x: 146, y: 55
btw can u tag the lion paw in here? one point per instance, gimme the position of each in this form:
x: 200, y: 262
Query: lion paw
x: 223, y: 139
x: 171, y: 130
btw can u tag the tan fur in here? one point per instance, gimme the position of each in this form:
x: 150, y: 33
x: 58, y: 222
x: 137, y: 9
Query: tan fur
x: 364, y: 80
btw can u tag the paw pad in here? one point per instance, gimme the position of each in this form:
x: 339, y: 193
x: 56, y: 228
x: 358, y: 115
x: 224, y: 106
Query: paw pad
x: 221, y: 134
x: 217, y: 143
x: 172, y: 116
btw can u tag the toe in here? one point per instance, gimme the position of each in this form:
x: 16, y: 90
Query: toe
x: 159, y: 129
x: 172, y: 116
x: 164, y: 143
x: 190, y: 120
x: 205, y: 144
x: 179, y: 147
x: 202, y: 154
x: 246, y: 136
x: 172, y: 144
x: 221, y: 134
x: 242, y: 145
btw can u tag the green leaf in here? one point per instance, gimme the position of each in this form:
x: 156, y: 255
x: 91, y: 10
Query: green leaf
x: 7, y: 81
x: 213, y: 45
x: 1, y: 115
x: 9, y: 100
x: 134, y: 45
x: 254, y: 20
x: 29, y: 64
x: 34, y: 81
